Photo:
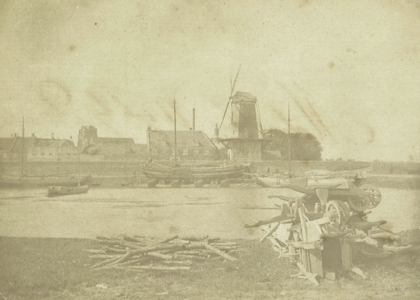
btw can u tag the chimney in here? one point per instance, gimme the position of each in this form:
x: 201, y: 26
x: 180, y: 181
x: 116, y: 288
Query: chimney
x: 216, y: 132
x: 52, y: 136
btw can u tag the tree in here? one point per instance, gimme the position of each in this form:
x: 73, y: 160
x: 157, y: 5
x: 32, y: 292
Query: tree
x: 304, y: 146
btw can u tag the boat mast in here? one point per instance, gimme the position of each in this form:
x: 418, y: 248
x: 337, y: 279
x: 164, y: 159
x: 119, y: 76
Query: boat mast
x: 289, y: 142
x: 175, y: 129
x: 23, y: 143
x: 78, y: 168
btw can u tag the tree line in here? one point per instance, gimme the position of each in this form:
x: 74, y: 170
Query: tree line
x: 304, y: 146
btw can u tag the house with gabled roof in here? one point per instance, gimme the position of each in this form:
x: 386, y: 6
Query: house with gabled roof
x: 37, y: 149
x: 190, y: 145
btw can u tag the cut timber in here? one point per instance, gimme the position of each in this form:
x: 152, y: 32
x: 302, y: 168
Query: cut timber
x: 109, y: 242
x: 270, y: 232
x: 217, y: 251
x: 159, y: 255
x: 224, y: 244
x: 135, y: 240
x: 103, y: 256
x: 129, y: 244
x: 105, y: 262
x: 94, y: 251
x: 176, y: 262
x: 310, y: 276
x: 359, y: 272
x: 189, y: 257
x: 194, y: 238
x: 157, y: 268
x: 122, y: 258
x: 158, y: 248
x: 114, y: 250
x: 133, y: 262
x: 167, y: 240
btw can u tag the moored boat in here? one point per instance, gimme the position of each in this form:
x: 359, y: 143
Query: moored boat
x: 65, y: 190
x: 157, y: 171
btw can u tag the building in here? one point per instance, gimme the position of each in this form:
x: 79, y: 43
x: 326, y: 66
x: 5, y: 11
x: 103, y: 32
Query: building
x: 51, y: 150
x: 190, y: 145
x: 108, y: 147
x: 11, y: 149
x: 36, y: 149
x: 242, y: 136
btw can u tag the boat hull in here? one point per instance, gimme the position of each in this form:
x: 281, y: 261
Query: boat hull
x: 54, y: 191
x: 194, y: 173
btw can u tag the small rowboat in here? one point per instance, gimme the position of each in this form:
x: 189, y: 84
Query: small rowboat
x: 54, y: 191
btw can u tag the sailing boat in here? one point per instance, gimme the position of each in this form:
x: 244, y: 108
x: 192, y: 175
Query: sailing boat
x: 193, y: 172
x: 58, y: 190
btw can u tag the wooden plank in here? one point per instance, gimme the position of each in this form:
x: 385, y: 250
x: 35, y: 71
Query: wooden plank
x: 283, y: 232
x: 158, y: 248
x: 316, y: 261
x: 346, y: 255
x: 310, y: 276
x: 221, y: 253
x: 303, y: 225
x: 159, y: 255
x: 269, y: 232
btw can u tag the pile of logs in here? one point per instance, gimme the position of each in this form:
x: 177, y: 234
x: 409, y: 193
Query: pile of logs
x: 147, y: 254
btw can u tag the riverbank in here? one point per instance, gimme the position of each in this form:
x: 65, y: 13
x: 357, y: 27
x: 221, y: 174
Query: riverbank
x: 407, y: 182
x: 37, y: 268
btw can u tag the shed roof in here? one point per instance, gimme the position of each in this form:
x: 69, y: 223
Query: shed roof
x: 14, y: 144
x: 106, y: 140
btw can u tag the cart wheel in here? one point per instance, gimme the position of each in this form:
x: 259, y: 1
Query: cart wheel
x: 375, y: 196
x: 336, y: 213
x: 358, y: 203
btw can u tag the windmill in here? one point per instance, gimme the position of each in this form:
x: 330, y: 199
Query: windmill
x: 232, y: 87
x: 242, y: 137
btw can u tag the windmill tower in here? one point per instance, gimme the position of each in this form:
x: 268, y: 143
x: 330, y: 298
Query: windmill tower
x: 242, y: 136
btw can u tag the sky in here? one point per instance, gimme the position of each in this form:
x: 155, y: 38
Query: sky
x: 349, y: 70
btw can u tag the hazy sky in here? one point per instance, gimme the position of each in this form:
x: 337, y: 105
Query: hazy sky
x: 349, y: 69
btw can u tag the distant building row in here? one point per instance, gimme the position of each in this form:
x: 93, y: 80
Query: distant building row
x: 241, y: 139
x: 191, y: 145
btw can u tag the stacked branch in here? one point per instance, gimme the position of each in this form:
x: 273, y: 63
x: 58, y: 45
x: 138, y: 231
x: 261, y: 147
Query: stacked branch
x: 145, y: 254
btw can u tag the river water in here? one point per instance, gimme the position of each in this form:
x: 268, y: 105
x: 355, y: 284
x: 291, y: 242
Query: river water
x: 167, y: 211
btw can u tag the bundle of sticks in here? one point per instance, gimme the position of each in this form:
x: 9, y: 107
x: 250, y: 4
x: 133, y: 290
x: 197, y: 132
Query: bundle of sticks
x: 148, y: 254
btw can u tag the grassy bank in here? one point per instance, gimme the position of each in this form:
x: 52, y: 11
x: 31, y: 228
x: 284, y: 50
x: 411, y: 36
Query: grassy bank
x: 59, y: 269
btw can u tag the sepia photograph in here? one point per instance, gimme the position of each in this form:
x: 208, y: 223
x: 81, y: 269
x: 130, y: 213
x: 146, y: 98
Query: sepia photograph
x: 197, y: 149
